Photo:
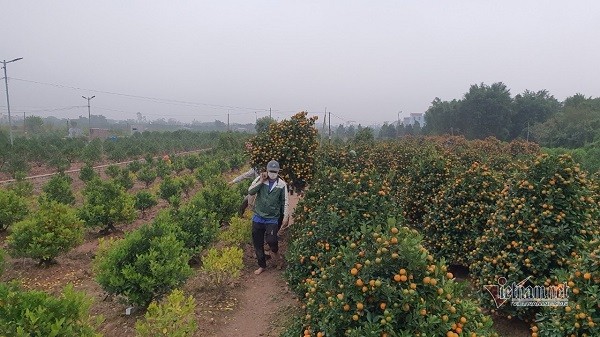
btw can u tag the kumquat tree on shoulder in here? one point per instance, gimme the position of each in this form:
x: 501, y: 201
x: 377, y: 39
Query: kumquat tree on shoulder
x: 293, y: 143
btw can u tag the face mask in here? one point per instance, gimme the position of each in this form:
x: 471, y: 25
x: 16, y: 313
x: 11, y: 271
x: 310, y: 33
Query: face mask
x: 272, y: 175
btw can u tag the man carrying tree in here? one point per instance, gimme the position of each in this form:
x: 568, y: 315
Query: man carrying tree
x: 271, y: 200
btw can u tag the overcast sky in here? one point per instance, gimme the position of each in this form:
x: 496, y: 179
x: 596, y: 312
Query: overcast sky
x: 362, y: 60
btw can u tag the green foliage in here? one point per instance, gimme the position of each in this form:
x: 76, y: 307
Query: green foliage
x: 105, y: 205
x: 530, y: 108
x: 263, y: 123
x: 52, y: 230
x: 187, y: 182
x: 581, y: 317
x: 489, y: 110
x: 169, y: 187
x: 14, y: 208
x: 429, y: 172
x: 144, y: 200
x: 2, y: 261
x: 293, y: 143
x: 144, y: 266
x: 112, y: 171
x: 222, y: 265
x: 542, y: 217
x: 125, y: 179
x: 15, y: 165
x: 173, y: 317
x: 59, y: 189
x: 238, y: 232
x: 178, y: 164
x: 34, y: 124
x: 576, y: 126
x: 458, y: 214
x: 92, y: 152
x: 441, y: 116
x: 35, y: 313
x: 388, y: 131
x: 192, y: 161
x: 236, y: 161
x: 242, y: 187
x: 149, y: 159
x: 87, y: 173
x: 57, y: 160
x: 364, y: 136
x: 198, y: 226
x: 163, y: 169
x: 588, y: 156
x: 135, y: 166
x: 486, y: 111
x: 72, y: 149
x: 22, y: 187
x: 329, y: 216
x: 218, y: 197
x: 207, y: 171
x: 385, y: 282
x: 146, y: 175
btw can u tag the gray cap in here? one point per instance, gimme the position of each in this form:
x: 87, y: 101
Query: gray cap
x: 273, y: 165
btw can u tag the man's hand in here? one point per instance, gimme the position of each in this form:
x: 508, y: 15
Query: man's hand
x: 264, y: 176
x: 284, y: 225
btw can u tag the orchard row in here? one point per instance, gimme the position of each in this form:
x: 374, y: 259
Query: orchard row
x: 149, y: 262
x: 380, y: 222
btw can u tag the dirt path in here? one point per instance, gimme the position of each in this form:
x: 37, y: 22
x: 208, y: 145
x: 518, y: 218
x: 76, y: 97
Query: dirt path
x: 264, y: 302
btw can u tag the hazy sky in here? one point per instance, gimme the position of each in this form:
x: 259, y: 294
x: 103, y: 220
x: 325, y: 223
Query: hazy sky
x: 362, y: 60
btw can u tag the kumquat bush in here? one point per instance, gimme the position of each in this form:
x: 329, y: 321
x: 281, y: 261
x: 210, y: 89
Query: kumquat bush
x: 581, y: 317
x: 501, y: 209
x: 292, y: 143
x: 458, y: 214
x: 543, y: 217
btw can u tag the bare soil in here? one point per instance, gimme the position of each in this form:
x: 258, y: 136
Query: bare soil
x: 251, y: 305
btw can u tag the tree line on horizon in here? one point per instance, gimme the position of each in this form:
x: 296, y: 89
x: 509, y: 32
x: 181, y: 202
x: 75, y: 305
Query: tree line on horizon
x: 491, y: 111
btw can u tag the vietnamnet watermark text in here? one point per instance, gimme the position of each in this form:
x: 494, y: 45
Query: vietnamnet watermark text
x: 524, y: 294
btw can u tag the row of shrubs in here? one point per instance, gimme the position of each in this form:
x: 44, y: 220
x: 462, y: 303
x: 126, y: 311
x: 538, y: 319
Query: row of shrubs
x: 501, y: 209
x: 59, y: 153
x: 360, y: 271
x: 149, y: 264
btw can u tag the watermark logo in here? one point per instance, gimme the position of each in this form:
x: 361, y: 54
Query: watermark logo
x: 524, y: 294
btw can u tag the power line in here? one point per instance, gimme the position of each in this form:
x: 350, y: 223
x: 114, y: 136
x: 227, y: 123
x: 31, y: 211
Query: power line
x: 154, y: 99
x: 165, y: 101
x: 45, y: 109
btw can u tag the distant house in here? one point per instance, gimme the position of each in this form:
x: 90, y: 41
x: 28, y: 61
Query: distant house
x: 75, y: 132
x: 136, y: 128
x: 414, y: 118
x: 99, y: 133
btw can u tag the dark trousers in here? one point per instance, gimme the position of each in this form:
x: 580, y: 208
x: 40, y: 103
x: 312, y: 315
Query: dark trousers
x: 260, y: 233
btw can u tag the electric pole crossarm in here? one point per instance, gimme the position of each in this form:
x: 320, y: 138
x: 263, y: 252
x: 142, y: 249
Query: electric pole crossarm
x: 89, y: 114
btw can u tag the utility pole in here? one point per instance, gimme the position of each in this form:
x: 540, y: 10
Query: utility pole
x: 398, y: 125
x: 89, y: 115
x: 329, y: 127
x: 528, y: 131
x: 4, y: 62
x: 24, y: 123
x: 228, y: 121
x: 270, y: 113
